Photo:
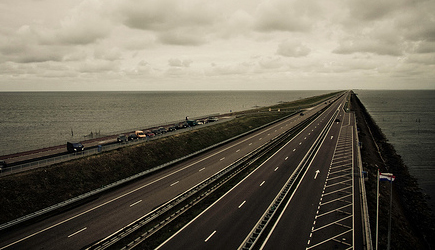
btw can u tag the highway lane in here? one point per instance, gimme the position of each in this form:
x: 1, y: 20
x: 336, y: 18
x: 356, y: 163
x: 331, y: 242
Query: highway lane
x: 97, y: 219
x: 324, y: 213
x: 226, y: 223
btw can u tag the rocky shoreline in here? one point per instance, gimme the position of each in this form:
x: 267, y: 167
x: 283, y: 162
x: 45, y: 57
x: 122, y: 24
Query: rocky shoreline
x: 412, y: 219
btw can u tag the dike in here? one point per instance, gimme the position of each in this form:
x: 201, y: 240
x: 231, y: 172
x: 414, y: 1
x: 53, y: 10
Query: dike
x: 26, y: 192
x: 412, y: 219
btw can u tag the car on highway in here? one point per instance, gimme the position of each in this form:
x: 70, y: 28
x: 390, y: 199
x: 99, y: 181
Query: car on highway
x: 162, y: 130
x: 337, y: 120
x: 132, y: 137
x: 149, y: 134
x: 140, y: 134
x: 171, y: 128
x: 3, y: 165
x: 75, y: 147
x: 121, y: 138
x: 213, y: 119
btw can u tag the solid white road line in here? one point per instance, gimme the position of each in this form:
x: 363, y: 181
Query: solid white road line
x: 210, y: 236
x: 137, y: 202
x: 81, y: 230
x: 242, y: 204
x: 174, y: 183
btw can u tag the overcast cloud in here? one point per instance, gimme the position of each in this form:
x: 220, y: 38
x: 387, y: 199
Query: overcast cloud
x: 215, y: 45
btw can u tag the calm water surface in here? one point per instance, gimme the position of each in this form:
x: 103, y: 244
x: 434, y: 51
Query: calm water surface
x: 407, y: 118
x: 40, y: 119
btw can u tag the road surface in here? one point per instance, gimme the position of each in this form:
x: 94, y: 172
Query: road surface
x: 315, y: 205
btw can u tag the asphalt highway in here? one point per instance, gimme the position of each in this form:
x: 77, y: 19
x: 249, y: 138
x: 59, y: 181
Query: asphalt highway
x: 324, y: 212
x: 227, y: 222
x: 94, y: 220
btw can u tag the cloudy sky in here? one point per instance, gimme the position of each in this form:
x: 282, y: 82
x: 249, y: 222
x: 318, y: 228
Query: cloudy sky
x: 216, y: 45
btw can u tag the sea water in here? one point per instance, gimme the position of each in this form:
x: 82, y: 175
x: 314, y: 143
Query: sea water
x: 407, y: 118
x: 33, y: 120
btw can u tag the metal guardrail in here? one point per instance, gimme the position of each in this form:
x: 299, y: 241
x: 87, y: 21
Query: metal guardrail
x: 365, y: 216
x: 128, y: 179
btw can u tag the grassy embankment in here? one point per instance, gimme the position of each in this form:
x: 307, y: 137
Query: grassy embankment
x: 30, y: 191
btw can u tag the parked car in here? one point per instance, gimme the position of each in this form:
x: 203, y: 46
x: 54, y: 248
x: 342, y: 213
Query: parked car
x: 122, y: 138
x: 140, y: 134
x: 75, y: 147
x: 182, y: 125
x: 337, y: 120
x: 191, y: 123
x: 171, y: 128
x: 3, y: 165
x: 162, y: 130
x: 149, y: 134
x: 213, y: 119
x: 132, y: 137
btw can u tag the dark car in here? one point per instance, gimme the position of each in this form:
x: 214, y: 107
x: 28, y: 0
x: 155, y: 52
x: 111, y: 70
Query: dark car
x: 3, y: 165
x: 132, y: 137
x: 171, y: 128
x: 162, y: 130
x: 182, y: 125
x: 75, y: 147
x: 213, y: 119
x: 337, y: 120
x: 149, y: 134
x: 122, y: 138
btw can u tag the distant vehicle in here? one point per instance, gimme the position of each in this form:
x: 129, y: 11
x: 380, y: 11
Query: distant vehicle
x: 162, y: 130
x: 302, y: 114
x: 191, y: 123
x: 212, y: 119
x: 140, y: 134
x: 75, y: 147
x: 149, y: 134
x: 171, y: 128
x: 181, y: 125
x: 122, y: 138
x: 156, y: 131
x: 337, y: 120
x: 199, y: 122
x: 3, y: 165
x: 132, y: 137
